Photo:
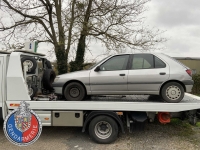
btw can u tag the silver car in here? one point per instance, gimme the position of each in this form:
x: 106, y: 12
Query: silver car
x: 127, y: 74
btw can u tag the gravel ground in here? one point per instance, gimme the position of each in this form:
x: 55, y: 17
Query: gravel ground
x: 175, y: 136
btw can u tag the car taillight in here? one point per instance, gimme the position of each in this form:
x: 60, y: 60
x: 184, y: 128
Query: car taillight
x: 189, y: 72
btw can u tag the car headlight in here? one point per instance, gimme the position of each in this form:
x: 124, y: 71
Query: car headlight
x: 56, y: 79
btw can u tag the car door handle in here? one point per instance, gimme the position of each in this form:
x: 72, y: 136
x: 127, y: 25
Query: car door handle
x: 121, y: 74
x: 162, y: 73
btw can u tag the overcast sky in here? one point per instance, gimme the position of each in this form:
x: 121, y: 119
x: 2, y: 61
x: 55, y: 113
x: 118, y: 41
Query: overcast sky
x: 180, y: 19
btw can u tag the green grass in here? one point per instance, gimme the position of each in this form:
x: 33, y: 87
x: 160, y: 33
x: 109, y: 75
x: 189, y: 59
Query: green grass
x: 198, y: 124
x: 183, y: 128
x: 197, y: 94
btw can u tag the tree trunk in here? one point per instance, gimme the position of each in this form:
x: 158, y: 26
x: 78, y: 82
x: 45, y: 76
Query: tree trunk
x: 62, y: 58
x: 80, y: 53
x: 78, y: 63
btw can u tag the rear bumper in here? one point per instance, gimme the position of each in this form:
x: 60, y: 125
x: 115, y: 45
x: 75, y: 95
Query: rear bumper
x: 188, y: 82
x: 188, y: 85
x: 188, y: 88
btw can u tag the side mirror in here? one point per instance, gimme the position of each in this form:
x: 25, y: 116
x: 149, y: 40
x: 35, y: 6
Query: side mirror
x: 97, y: 69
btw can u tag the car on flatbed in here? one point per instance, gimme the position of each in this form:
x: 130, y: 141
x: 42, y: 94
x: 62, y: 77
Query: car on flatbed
x: 127, y: 74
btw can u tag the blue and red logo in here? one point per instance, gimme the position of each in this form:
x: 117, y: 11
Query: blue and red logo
x: 22, y: 126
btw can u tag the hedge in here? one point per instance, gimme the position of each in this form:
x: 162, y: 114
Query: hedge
x: 196, y: 86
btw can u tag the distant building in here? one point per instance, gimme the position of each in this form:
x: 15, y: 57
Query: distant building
x: 192, y: 62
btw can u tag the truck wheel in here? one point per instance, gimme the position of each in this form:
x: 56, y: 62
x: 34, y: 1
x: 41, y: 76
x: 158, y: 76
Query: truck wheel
x: 32, y: 91
x: 172, y: 92
x: 32, y: 64
x: 198, y: 113
x: 74, y: 92
x: 103, y: 129
x: 48, y: 78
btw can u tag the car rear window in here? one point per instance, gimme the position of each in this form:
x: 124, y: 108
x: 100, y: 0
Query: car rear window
x: 176, y: 61
x: 159, y: 63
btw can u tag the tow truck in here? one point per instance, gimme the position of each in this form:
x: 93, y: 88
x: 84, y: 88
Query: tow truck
x: 28, y: 76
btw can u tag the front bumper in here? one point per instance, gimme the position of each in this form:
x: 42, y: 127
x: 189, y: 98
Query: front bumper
x: 58, y: 90
x: 58, y: 87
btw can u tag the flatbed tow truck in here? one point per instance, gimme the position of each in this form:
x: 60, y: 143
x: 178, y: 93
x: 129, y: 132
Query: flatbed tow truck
x: 103, y: 116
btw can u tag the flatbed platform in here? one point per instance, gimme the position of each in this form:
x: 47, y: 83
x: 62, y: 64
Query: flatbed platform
x: 128, y: 103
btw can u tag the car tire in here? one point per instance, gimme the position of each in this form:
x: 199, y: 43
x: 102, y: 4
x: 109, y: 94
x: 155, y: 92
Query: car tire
x: 48, y: 78
x: 32, y: 64
x: 103, y: 129
x: 32, y: 91
x: 74, y: 91
x: 172, y: 92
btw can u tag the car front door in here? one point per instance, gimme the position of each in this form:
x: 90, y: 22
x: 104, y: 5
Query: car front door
x: 147, y: 73
x: 111, y: 78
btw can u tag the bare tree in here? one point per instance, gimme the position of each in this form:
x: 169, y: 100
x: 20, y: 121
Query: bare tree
x: 41, y: 20
x: 118, y: 24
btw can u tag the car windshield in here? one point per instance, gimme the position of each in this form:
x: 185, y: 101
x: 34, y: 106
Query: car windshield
x: 97, y: 63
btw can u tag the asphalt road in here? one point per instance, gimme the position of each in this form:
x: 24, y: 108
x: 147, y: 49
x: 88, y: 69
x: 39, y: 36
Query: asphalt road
x: 155, y: 137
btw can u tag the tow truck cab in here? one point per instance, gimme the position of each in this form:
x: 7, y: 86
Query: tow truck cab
x: 4, y: 59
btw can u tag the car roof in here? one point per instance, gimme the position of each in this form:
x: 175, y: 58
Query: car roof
x: 156, y: 53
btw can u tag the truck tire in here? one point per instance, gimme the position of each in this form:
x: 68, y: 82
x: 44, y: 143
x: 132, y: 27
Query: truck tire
x: 193, y: 120
x: 103, y: 129
x: 32, y: 91
x: 48, y: 78
x: 32, y: 64
x: 198, y: 113
x: 48, y: 64
x: 74, y: 91
x: 172, y: 92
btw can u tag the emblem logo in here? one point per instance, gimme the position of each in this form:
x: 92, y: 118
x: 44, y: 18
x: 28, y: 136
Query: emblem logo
x: 22, y: 126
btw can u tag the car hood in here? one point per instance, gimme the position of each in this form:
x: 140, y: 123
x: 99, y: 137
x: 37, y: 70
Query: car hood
x: 75, y: 74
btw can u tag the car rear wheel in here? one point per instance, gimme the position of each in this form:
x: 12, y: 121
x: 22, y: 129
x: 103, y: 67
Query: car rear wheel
x: 74, y: 91
x: 172, y: 92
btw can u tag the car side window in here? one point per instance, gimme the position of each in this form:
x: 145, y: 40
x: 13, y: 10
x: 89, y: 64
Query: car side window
x: 142, y: 61
x: 159, y: 63
x: 115, y: 63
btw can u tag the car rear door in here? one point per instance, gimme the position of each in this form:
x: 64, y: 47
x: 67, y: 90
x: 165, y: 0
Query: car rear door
x: 112, y: 76
x: 147, y: 73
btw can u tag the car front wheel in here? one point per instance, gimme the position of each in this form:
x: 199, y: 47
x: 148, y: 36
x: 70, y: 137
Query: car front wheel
x: 74, y: 91
x: 172, y: 92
